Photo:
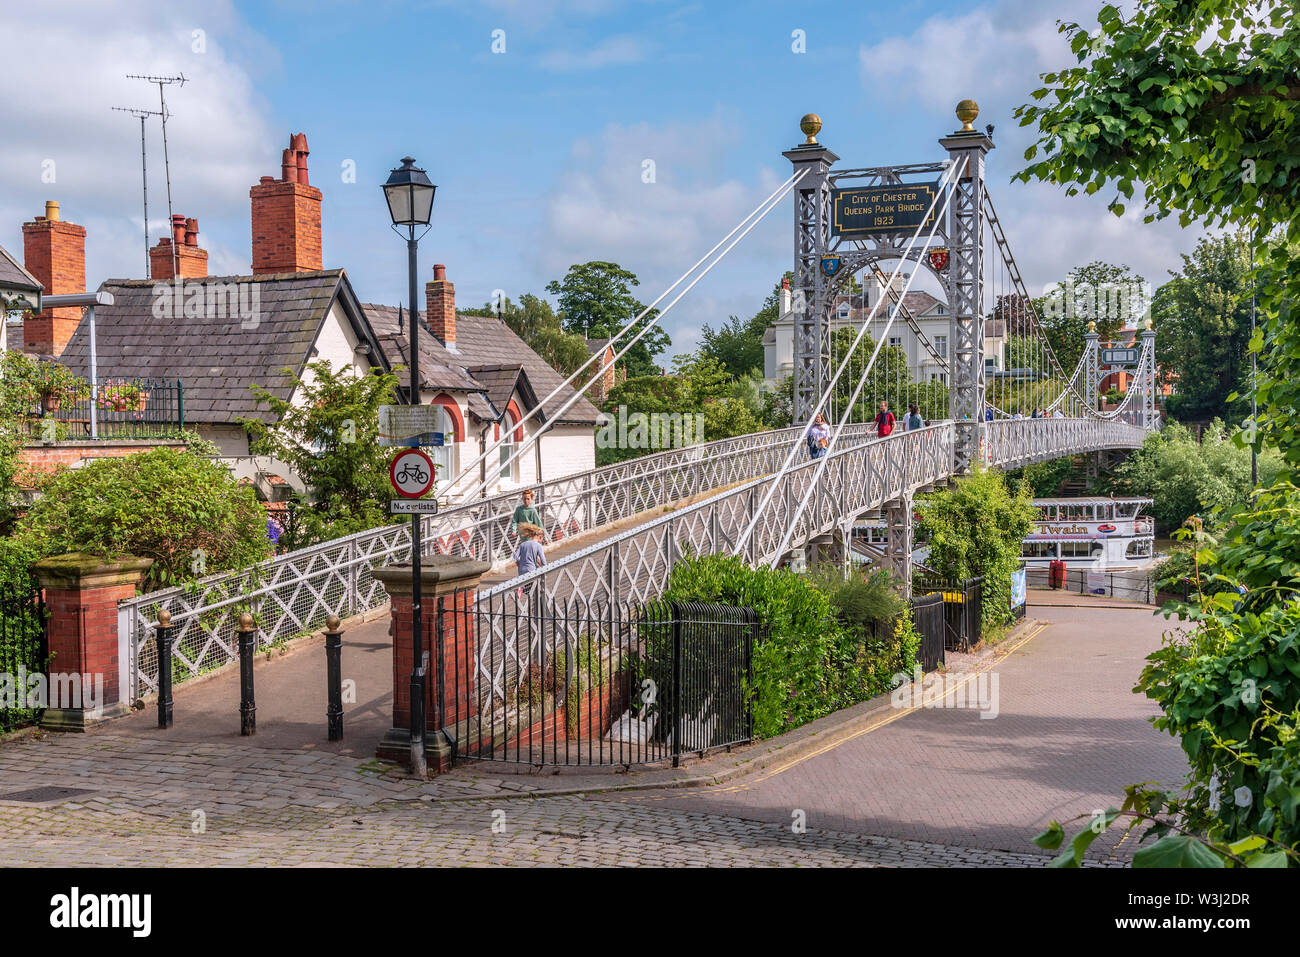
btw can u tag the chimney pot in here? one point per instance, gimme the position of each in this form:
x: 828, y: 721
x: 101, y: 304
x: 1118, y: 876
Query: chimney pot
x: 286, y: 224
x: 51, y: 211
x: 178, y: 230
x: 439, y: 272
x: 191, y: 232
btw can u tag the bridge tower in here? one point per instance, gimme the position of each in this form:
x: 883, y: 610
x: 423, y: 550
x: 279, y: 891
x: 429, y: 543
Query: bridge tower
x: 966, y: 148
x: 812, y: 235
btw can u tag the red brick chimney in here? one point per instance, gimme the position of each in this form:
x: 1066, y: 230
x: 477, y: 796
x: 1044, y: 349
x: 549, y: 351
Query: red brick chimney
x: 440, y: 306
x: 286, y: 216
x: 191, y: 261
x: 55, y: 253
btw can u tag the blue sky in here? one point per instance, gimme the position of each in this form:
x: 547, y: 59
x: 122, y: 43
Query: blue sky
x: 538, y: 151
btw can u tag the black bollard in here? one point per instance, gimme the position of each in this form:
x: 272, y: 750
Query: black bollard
x: 247, y: 636
x: 334, y: 677
x: 163, y: 634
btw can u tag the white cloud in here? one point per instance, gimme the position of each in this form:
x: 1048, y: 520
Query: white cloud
x: 603, y: 209
x: 62, y: 87
x: 994, y: 54
x: 612, y: 51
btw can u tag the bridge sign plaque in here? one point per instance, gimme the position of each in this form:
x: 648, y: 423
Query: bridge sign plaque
x: 1118, y: 357
x: 870, y: 210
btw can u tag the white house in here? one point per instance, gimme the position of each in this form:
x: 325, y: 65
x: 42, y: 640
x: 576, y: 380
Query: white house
x: 850, y: 311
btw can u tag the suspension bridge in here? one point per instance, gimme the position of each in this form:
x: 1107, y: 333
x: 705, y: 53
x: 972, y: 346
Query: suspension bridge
x: 757, y: 496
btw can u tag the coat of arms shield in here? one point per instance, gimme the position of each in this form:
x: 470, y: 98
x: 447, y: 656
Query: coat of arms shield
x: 939, y: 259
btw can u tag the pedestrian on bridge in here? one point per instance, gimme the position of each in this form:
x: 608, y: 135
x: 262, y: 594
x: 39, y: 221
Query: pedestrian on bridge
x: 525, y: 512
x: 884, y: 420
x: 913, y: 420
x: 531, y: 554
x: 819, y: 437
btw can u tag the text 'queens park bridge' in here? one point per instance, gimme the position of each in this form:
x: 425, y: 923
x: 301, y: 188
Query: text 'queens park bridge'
x: 769, y: 498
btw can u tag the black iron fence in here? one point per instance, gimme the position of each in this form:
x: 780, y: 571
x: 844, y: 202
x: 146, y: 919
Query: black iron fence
x: 928, y: 617
x: 538, y: 681
x: 24, y: 651
x: 1126, y: 585
x: 118, y: 409
x: 962, y: 608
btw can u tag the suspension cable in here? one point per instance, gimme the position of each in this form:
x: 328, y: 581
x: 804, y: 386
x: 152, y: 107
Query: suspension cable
x: 770, y: 203
x: 776, y: 194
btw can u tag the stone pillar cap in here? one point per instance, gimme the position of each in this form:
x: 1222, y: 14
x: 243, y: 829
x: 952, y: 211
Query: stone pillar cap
x: 82, y: 570
x: 439, y: 574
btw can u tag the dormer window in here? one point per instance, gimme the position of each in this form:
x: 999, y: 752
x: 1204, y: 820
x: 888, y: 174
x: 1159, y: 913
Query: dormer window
x: 844, y: 310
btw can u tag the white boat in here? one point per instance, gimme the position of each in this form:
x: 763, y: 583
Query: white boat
x: 1094, y: 533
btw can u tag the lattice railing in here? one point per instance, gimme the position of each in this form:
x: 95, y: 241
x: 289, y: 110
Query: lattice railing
x: 294, y: 593
x: 634, y: 566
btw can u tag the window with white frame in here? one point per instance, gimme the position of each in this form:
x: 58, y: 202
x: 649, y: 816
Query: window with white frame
x: 843, y: 311
x: 507, y: 448
x: 941, y: 346
x: 444, y: 456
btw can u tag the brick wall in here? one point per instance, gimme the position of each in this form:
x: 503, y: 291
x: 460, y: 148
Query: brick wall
x: 39, y: 457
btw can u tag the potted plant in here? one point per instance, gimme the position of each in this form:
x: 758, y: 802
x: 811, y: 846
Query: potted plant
x: 53, y: 385
x: 123, y: 397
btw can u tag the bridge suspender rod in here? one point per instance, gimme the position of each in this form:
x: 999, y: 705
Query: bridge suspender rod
x: 762, y: 210
x: 822, y: 462
x: 830, y: 386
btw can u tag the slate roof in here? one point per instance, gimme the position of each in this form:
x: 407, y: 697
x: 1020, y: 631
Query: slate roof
x: 484, y: 343
x: 595, y: 346
x: 13, y: 275
x: 214, y: 355
x: 501, y: 382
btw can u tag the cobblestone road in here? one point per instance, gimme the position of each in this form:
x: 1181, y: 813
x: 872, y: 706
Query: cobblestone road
x: 931, y: 788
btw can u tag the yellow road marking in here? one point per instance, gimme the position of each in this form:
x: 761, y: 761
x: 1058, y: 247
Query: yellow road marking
x: 900, y: 713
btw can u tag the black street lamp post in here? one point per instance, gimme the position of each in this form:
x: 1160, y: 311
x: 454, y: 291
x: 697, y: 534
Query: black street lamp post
x: 410, y: 204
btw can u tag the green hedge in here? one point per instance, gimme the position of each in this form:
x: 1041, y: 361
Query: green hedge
x: 815, y: 659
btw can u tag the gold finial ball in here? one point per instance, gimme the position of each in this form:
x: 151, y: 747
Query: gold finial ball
x: 246, y: 622
x: 164, y: 618
x: 810, y: 126
x: 1092, y: 326
x: 967, y: 110
x: 332, y: 623
x: 1149, y: 324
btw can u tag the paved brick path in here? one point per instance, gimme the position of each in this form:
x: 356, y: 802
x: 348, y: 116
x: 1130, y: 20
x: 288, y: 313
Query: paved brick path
x: 1068, y: 737
x: 931, y: 788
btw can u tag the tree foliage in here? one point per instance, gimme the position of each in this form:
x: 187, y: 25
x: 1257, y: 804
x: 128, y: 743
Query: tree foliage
x: 975, y: 527
x: 595, y: 300
x: 1185, y: 477
x: 1203, y: 316
x: 1195, y: 105
x: 183, y: 510
x: 329, y: 436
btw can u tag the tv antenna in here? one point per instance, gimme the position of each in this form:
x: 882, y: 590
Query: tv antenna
x: 144, y: 172
x: 163, y: 82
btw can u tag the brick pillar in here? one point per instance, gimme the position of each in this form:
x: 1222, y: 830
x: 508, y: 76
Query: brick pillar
x: 455, y: 581
x: 81, y: 594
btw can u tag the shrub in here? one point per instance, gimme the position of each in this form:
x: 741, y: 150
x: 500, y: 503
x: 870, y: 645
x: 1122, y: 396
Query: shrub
x: 976, y: 528
x: 816, y: 657
x: 182, y: 510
